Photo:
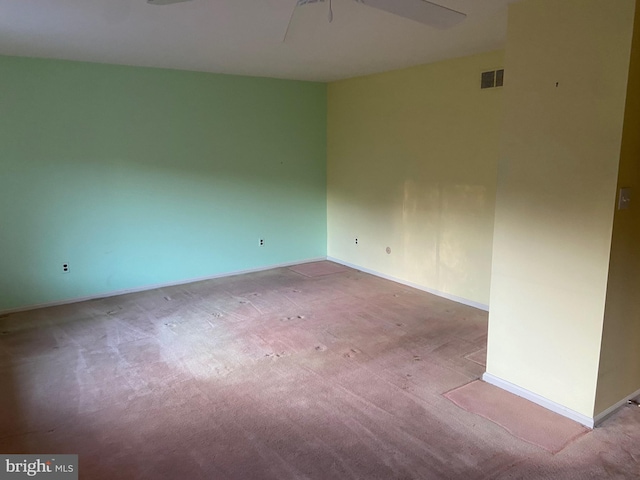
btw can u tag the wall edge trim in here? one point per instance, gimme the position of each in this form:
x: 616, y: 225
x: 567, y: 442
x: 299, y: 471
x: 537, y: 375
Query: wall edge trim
x: 539, y: 399
x: 448, y: 296
x: 144, y: 288
x: 602, y: 416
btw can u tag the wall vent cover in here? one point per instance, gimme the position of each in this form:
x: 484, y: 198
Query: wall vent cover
x: 493, y: 78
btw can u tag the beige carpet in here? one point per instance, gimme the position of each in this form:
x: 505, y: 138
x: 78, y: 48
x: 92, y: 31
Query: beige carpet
x: 480, y: 357
x: 273, y: 375
x: 318, y: 269
x: 520, y: 417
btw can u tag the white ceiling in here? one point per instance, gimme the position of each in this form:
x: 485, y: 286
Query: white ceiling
x: 245, y: 36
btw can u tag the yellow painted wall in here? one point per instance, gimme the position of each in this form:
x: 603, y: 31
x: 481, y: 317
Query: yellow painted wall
x: 567, y: 67
x: 619, y: 374
x: 412, y: 158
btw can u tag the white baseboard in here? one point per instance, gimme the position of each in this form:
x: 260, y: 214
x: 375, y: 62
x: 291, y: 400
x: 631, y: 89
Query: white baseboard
x: 540, y: 400
x: 454, y: 298
x: 144, y: 288
x: 601, y: 417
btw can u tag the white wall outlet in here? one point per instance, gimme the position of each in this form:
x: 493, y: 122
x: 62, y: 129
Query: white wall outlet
x: 65, y: 268
x: 356, y: 240
x: 261, y: 242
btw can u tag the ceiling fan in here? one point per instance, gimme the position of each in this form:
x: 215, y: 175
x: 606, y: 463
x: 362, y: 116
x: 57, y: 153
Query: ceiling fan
x: 422, y: 11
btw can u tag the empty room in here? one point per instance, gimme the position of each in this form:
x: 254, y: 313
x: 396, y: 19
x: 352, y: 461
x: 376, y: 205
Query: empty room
x: 320, y: 239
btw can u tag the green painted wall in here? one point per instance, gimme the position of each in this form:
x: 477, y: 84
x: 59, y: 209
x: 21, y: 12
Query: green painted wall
x: 141, y: 176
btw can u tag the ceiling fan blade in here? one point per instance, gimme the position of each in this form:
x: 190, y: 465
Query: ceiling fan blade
x: 286, y: 32
x: 419, y: 10
x: 300, y: 3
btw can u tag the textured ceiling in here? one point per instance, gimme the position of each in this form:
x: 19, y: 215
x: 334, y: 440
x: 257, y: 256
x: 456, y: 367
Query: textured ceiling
x: 245, y: 36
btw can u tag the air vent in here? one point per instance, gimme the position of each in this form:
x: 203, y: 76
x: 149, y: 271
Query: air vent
x: 494, y: 78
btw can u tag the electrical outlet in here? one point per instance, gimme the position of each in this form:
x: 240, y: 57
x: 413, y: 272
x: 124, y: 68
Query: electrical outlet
x: 261, y: 242
x: 65, y: 268
x: 356, y: 240
x: 624, y: 199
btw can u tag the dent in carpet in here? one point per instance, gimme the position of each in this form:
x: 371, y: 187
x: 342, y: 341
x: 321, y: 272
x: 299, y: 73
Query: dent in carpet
x: 318, y: 269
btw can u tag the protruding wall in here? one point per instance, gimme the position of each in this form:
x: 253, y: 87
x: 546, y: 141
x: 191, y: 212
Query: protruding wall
x: 567, y: 65
x: 619, y: 373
